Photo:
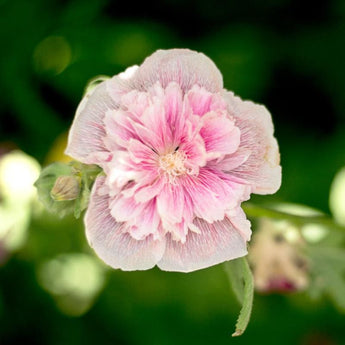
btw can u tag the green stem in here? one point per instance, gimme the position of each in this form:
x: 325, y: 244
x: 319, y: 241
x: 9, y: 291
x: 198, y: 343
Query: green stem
x: 256, y: 211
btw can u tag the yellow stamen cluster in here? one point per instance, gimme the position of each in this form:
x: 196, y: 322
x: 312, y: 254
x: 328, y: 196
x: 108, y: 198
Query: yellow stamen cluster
x: 173, y: 164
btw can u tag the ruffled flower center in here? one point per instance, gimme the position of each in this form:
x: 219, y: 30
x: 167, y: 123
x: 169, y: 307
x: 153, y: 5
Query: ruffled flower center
x: 171, y: 151
x: 173, y: 164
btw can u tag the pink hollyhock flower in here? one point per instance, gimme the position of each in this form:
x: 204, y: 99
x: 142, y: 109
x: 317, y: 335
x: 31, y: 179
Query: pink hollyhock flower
x: 179, y: 154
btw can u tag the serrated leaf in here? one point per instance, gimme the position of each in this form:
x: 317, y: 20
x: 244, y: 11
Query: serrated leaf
x: 242, y: 283
x: 328, y: 270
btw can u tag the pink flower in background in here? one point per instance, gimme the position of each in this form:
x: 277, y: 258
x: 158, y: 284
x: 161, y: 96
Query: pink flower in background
x: 180, y: 154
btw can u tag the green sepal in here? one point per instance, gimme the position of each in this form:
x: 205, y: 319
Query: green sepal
x: 83, y: 174
x: 45, y: 184
x: 94, y: 82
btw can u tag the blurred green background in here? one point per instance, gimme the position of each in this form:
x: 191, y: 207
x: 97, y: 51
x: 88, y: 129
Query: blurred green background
x: 286, y: 54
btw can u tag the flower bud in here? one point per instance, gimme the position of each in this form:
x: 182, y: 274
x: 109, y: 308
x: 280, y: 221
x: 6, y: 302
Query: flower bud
x: 52, y: 190
x: 65, y: 188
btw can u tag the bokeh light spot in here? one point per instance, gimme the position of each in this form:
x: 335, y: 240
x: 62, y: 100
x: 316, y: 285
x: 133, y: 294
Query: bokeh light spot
x: 18, y: 172
x: 74, y: 280
x: 313, y: 232
x: 52, y: 55
x: 337, y: 197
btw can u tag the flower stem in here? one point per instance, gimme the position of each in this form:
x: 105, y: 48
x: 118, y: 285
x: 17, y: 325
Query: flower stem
x: 256, y: 211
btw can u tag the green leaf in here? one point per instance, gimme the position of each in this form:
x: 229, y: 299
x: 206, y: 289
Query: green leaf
x: 328, y: 274
x: 242, y: 283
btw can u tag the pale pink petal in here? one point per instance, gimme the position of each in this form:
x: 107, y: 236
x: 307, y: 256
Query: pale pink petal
x: 191, y: 128
x: 118, y: 86
x: 149, y: 191
x: 216, y: 243
x: 178, y: 231
x: 173, y: 103
x: 240, y: 222
x: 155, y: 120
x: 154, y: 130
x: 119, y: 129
x: 202, y: 101
x: 112, y: 244
x: 124, y: 208
x: 183, y: 66
x: 261, y: 169
x: 140, y: 153
x: 128, y: 73
x: 170, y: 203
x: 148, y: 225
x: 211, y: 195
x: 220, y: 135
x: 87, y: 131
x: 205, y: 203
x: 231, y: 162
x: 196, y: 153
x: 119, y: 171
x: 174, y: 112
x: 144, y: 182
x: 240, y: 190
x: 218, y: 103
x: 135, y: 102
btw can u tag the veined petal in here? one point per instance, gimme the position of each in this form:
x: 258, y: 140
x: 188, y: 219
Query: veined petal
x: 170, y: 203
x: 156, y: 122
x: 112, y: 243
x: 240, y: 222
x: 153, y: 130
x: 211, y: 194
x: 220, y: 135
x: 178, y: 231
x: 87, y: 131
x: 199, y: 100
x: 124, y: 208
x: 216, y: 243
x: 173, y: 102
x: 203, y: 101
x: 140, y: 153
x: 135, y: 103
x: 206, y: 203
x: 261, y: 169
x: 147, y: 223
x: 119, y: 129
x: 196, y: 153
x: 149, y: 191
x: 183, y: 66
x: 232, y: 161
x: 119, y: 172
x: 118, y: 86
x: 174, y: 111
